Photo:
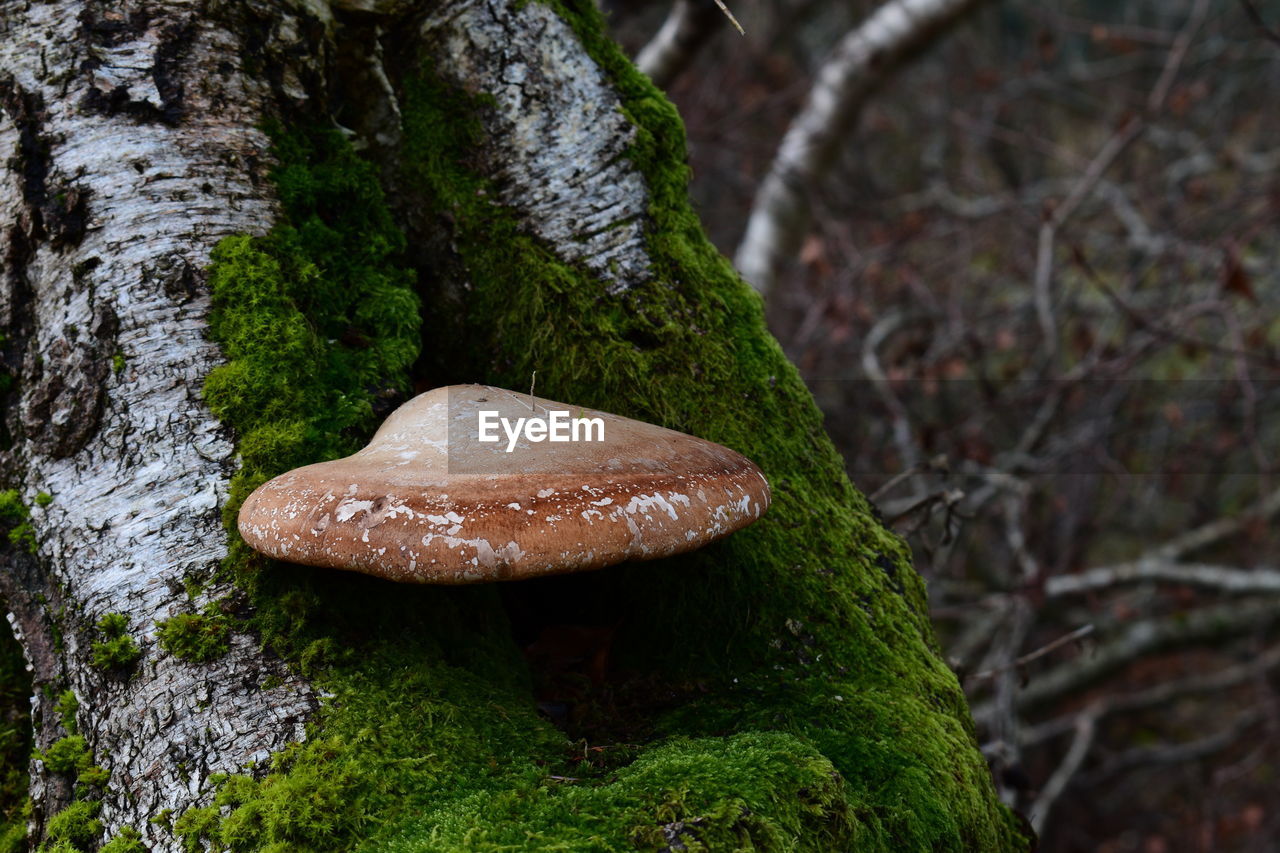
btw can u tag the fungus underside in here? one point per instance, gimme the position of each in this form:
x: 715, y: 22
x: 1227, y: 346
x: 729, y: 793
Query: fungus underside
x: 807, y: 705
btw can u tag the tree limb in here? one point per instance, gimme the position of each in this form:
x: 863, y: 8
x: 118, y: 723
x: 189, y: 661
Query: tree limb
x: 687, y: 28
x: 1223, y: 578
x: 864, y: 61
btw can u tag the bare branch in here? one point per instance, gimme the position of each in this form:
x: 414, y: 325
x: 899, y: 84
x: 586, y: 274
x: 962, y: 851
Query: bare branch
x: 687, y: 28
x: 1161, y: 694
x: 1222, y: 578
x: 902, y: 437
x: 1217, y: 530
x: 1086, y: 725
x: 1136, y: 640
x: 1078, y: 634
x: 1180, y: 753
x: 938, y: 463
x: 865, y: 60
x: 1256, y: 17
x: 1119, y: 142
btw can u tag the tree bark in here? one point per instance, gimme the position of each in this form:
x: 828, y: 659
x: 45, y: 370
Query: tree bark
x: 131, y: 141
x: 783, y: 685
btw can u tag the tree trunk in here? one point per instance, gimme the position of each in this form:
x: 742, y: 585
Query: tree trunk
x: 205, y: 284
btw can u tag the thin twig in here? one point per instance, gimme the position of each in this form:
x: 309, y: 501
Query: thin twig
x: 1086, y: 728
x: 687, y: 28
x: 938, y: 463
x: 1212, y: 683
x: 1136, y: 640
x: 1256, y: 17
x: 1078, y: 634
x: 1106, y: 156
x: 732, y: 19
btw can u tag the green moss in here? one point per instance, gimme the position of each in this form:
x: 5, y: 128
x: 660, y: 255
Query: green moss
x: 116, y: 649
x: 113, y: 624
x: 59, y: 847
x: 71, y: 756
x: 44, y: 499
x: 127, y: 840
x: 13, y: 838
x: 812, y: 709
x: 94, y: 775
x: 703, y: 794
x: 15, y: 521
x: 67, y: 706
x: 317, y: 320
x: 197, y: 637
x: 196, y: 825
x: 77, y: 826
x: 68, y: 755
x: 118, y: 362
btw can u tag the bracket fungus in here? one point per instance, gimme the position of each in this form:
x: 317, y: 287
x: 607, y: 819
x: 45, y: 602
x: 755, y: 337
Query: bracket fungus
x: 449, y: 492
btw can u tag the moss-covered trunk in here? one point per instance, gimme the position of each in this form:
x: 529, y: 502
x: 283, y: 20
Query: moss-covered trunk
x: 518, y: 205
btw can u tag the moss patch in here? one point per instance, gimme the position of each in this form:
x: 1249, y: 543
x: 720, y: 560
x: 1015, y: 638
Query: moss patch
x: 116, y: 649
x: 67, y: 755
x: 15, y: 521
x: 13, y: 837
x: 66, y: 707
x: 76, y: 827
x: 71, y: 756
x: 703, y: 794
x: 128, y: 840
x: 317, y: 319
x: 197, y: 637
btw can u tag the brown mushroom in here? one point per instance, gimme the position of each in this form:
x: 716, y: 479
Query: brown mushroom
x: 434, y: 499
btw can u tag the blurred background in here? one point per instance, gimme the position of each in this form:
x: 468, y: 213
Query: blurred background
x: 1035, y: 288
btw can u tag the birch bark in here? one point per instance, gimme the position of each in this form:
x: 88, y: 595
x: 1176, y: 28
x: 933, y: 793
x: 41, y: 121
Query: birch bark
x: 131, y: 142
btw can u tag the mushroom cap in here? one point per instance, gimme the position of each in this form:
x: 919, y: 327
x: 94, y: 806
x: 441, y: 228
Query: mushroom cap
x: 428, y: 502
